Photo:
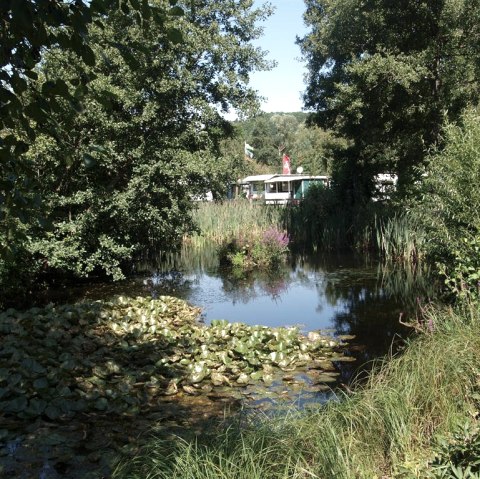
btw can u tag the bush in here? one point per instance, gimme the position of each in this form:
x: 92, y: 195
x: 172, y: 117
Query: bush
x: 448, y: 205
x: 265, y: 249
x: 458, y: 456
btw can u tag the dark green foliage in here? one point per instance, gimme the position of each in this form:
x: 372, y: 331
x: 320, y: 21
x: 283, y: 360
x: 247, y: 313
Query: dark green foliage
x: 447, y: 205
x: 458, y: 456
x: 29, y: 28
x: 321, y: 221
x: 308, y: 222
x: 116, y: 173
x: 383, y: 74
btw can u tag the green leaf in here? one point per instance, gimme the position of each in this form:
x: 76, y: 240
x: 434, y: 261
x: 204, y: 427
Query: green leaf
x: 19, y: 84
x: 40, y: 383
x: 128, y: 57
x: 88, y: 56
x: 54, y: 439
x: 53, y: 412
x: 135, y: 4
x: 146, y: 10
x: 175, y: 36
x: 101, y: 404
x: 36, y: 407
x: 36, y: 113
x: 61, y: 88
x: 33, y: 366
x: 89, y: 161
x: 16, y: 405
x: 176, y: 11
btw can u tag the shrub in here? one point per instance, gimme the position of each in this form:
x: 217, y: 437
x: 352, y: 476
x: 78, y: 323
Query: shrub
x: 458, y: 456
x: 448, y: 205
x: 259, y: 249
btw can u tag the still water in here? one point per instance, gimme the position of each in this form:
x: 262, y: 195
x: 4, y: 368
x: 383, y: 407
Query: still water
x: 341, y: 293
x: 344, y: 294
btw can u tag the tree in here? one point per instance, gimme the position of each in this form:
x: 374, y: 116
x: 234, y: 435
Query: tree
x: 383, y: 75
x: 286, y: 126
x: 447, y: 205
x: 28, y: 29
x: 119, y: 176
x: 313, y: 149
x: 260, y: 134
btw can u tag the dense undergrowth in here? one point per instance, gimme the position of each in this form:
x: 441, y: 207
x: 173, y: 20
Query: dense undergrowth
x: 219, y: 222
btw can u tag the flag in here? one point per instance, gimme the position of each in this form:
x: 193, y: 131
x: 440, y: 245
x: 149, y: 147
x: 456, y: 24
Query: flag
x: 286, y: 165
x: 248, y: 150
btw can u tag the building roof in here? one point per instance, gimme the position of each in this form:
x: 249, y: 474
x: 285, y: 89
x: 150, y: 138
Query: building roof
x: 253, y: 178
x: 275, y: 178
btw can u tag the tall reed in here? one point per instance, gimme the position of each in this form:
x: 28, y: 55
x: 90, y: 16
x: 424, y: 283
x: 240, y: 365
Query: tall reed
x: 219, y: 222
x: 400, y: 238
x: 385, y: 428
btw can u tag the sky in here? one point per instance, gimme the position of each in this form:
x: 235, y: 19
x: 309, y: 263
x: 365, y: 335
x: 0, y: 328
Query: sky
x: 283, y: 84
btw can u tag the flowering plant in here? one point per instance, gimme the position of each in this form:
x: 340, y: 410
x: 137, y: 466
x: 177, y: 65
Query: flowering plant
x: 260, y: 249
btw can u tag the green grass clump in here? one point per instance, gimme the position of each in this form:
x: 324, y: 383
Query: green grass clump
x: 399, y: 238
x: 386, y: 428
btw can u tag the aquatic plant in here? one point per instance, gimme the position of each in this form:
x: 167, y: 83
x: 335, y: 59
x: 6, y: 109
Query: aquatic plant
x: 400, y: 238
x: 256, y: 249
x: 120, y: 359
x: 219, y: 222
x: 384, y: 428
x: 65, y: 357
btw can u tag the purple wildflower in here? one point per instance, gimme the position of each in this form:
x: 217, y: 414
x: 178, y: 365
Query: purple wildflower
x: 274, y: 237
x: 430, y: 325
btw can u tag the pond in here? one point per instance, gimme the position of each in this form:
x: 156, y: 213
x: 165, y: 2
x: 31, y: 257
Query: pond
x: 343, y: 296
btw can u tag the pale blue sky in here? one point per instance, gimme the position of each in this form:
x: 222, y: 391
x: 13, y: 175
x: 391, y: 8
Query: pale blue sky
x: 284, y: 84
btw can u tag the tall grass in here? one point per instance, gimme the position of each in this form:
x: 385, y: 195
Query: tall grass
x: 385, y: 428
x: 400, y: 238
x: 219, y: 222
x: 396, y: 237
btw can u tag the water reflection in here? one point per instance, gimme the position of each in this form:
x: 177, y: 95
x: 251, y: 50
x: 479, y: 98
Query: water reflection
x: 347, y: 294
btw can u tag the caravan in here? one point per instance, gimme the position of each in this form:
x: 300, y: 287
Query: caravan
x: 283, y: 189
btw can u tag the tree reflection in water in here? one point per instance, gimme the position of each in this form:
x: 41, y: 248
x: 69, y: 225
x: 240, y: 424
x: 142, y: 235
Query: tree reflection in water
x: 347, y: 294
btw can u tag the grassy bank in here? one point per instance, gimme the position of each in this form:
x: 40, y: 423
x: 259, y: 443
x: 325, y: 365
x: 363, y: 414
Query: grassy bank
x: 387, y: 428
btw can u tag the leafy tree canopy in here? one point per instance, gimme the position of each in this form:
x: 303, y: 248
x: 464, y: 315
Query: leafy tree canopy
x: 28, y: 29
x: 272, y: 134
x: 116, y: 172
x: 383, y: 74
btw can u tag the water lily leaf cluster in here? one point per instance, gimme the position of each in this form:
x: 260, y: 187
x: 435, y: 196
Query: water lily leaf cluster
x: 122, y: 356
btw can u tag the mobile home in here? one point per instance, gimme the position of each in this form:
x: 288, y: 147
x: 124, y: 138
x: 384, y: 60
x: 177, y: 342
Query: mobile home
x: 283, y: 189
x: 253, y: 187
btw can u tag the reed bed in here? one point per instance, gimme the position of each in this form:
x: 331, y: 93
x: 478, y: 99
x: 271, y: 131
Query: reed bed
x: 386, y: 428
x: 219, y: 222
x: 400, y: 238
